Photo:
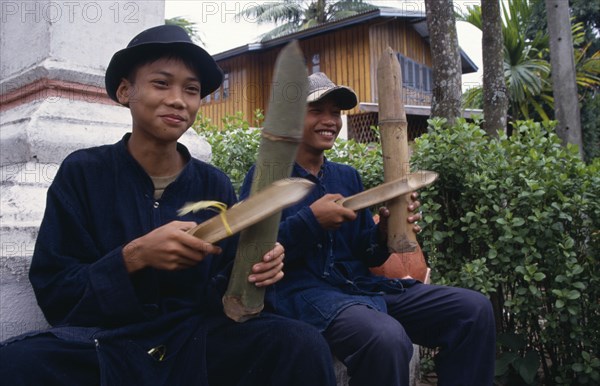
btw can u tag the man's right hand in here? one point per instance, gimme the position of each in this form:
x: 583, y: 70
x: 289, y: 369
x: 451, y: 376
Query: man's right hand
x: 329, y: 213
x: 168, y: 247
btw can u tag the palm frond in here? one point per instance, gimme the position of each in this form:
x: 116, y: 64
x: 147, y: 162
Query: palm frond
x: 274, y: 12
x: 293, y: 15
x: 188, y: 26
x: 472, y: 15
x: 473, y: 98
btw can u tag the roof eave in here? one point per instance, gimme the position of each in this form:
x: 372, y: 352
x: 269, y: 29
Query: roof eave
x: 416, y: 18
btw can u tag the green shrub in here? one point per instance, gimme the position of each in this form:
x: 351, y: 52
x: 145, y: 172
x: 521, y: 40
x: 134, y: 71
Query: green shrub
x: 234, y: 148
x: 518, y: 219
x: 364, y: 157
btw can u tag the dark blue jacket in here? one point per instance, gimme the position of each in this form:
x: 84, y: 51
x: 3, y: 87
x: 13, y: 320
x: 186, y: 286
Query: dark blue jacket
x: 100, y: 200
x: 327, y: 271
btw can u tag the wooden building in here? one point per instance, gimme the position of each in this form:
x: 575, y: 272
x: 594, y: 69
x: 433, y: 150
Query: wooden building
x: 348, y: 51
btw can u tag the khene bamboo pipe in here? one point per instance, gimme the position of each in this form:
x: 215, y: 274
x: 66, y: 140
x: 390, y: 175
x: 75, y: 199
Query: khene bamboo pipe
x: 394, y: 145
x: 281, y: 136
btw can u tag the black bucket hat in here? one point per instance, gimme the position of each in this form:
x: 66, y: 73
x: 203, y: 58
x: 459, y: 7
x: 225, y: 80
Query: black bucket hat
x: 168, y: 38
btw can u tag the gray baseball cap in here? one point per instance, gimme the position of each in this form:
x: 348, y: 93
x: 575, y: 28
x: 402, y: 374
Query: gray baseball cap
x: 320, y: 86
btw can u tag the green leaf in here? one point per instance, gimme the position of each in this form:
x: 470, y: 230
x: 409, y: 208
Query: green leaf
x: 528, y: 366
x: 573, y: 294
x: 503, y: 363
x: 518, y: 221
x: 579, y: 285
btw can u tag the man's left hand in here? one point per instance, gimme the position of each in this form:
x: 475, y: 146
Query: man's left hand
x: 270, y: 270
x: 413, y: 218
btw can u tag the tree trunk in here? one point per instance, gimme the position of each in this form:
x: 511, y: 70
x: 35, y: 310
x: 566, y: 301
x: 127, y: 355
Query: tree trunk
x: 564, y: 86
x: 495, y: 98
x: 446, y: 60
x: 321, y: 11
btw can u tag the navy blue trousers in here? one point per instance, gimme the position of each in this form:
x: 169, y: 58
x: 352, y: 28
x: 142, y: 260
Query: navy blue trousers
x: 377, y: 347
x: 264, y: 351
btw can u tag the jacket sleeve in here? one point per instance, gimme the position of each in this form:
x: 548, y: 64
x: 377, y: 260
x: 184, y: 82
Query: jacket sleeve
x: 74, y: 284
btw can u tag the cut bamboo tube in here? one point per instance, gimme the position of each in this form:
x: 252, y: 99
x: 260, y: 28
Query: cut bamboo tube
x: 394, y: 146
x: 388, y: 190
x: 276, y: 197
x: 281, y: 136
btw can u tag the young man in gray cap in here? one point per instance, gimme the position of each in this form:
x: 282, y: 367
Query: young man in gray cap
x: 133, y: 299
x: 370, y: 322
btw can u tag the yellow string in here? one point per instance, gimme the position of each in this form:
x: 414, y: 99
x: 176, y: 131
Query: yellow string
x: 211, y: 205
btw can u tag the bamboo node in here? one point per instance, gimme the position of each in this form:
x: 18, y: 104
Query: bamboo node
x: 280, y: 138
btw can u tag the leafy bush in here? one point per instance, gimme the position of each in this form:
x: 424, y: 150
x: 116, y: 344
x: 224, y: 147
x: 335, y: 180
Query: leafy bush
x: 518, y: 219
x: 234, y: 148
x: 364, y: 157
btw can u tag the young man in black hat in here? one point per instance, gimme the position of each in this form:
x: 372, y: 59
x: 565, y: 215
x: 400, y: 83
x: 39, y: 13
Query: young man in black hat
x: 369, y: 321
x: 133, y: 299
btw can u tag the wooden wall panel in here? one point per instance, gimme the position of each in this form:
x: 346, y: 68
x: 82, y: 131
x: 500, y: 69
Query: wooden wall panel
x: 348, y: 56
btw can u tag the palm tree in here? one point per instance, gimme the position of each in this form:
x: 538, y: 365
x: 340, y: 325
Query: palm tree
x: 526, y: 64
x: 188, y: 26
x: 525, y: 71
x: 295, y: 15
x: 445, y: 58
x: 495, y: 98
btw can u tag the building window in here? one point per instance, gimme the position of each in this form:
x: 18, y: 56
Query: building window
x: 221, y: 93
x: 315, y: 63
x: 426, y: 78
x: 225, y: 85
x: 415, y: 75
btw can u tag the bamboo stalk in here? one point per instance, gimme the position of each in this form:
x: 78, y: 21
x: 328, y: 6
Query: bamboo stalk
x: 394, y: 145
x: 281, y: 136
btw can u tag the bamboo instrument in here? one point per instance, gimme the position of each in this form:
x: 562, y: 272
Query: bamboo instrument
x: 389, y: 190
x: 281, y: 136
x: 288, y: 191
x: 394, y: 146
x: 277, y: 196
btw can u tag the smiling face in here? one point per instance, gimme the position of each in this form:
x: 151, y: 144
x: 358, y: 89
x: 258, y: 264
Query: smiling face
x: 164, y: 98
x: 322, y: 125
